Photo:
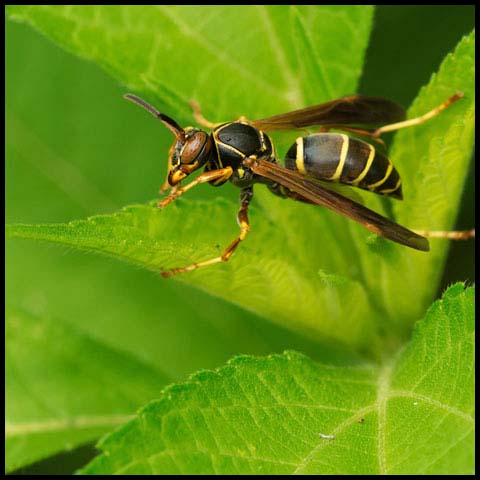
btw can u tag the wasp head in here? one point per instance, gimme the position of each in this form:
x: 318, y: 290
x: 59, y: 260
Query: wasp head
x: 190, y: 150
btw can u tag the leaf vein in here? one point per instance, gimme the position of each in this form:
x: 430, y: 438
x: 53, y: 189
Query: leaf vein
x: 219, y: 54
x: 346, y: 423
x: 448, y: 408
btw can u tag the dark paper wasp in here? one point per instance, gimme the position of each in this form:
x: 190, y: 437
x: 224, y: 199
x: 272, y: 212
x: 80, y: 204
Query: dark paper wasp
x: 241, y: 152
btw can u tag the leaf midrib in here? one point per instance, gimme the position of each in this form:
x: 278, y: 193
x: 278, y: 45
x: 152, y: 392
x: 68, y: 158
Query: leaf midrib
x: 219, y: 54
x: 295, y: 97
x: 80, y: 422
x: 385, y: 396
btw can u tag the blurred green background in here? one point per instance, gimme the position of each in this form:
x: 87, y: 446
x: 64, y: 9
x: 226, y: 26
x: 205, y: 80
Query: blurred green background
x: 75, y: 148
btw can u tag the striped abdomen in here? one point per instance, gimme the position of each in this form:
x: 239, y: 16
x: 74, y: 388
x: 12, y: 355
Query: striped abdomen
x: 335, y: 157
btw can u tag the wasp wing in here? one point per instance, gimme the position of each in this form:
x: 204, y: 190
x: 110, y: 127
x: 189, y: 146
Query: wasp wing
x: 352, y: 110
x: 343, y: 190
x: 315, y: 193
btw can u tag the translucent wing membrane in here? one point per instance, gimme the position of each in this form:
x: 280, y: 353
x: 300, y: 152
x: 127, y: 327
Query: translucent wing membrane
x: 352, y: 110
x: 319, y: 195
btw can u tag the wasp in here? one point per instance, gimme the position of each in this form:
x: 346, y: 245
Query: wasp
x: 242, y: 153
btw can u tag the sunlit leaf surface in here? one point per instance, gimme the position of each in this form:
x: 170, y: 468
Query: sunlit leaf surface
x: 302, y: 268
x: 285, y: 414
x: 313, y: 240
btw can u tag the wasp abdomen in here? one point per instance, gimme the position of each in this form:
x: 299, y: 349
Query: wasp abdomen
x: 336, y: 157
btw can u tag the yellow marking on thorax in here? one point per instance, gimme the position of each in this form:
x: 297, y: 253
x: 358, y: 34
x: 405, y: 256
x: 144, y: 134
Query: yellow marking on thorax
x: 371, y: 156
x: 299, y: 161
x: 387, y: 174
x: 216, y: 142
x: 390, y: 190
x: 273, y: 150
x: 343, y: 157
x: 262, y: 141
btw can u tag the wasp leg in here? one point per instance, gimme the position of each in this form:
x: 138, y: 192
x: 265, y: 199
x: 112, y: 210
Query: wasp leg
x: 221, y: 173
x: 418, y: 120
x: 370, y: 134
x: 242, y: 219
x: 199, y: 118
x: 453, y: 235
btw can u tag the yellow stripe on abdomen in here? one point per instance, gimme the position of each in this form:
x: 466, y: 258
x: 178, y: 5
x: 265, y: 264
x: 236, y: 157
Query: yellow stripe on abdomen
x: 343, y: 157
x: 299, y: 160
x: 391, y: 190
x: 364, y: 172
x: 383, y: 180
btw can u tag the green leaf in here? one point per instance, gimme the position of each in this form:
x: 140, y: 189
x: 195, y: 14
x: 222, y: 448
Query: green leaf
x: 178, y: 52
x: 175, y: 53
x: 64, y: 389
x: 62, y: 150
x: 62, y: 100
x: 155, y: 238
x: 136, y: 44
x: 433, y: 160
x: 285, y: 414
x: 435, y: 163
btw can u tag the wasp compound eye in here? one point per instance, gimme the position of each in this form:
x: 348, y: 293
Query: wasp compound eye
x: 196, y: 149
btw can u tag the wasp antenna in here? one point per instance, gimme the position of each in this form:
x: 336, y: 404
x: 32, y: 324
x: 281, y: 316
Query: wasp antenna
x: 142, y: 103
x: 171, y: 124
